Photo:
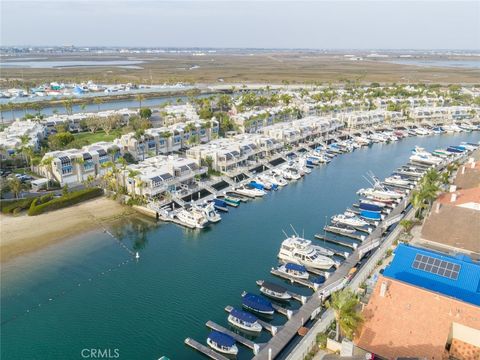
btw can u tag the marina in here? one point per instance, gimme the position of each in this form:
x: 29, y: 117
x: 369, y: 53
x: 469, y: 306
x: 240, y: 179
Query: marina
x: 201, y: 254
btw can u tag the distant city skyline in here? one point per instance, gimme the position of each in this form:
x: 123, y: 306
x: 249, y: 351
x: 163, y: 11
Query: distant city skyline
x: 243, y: 24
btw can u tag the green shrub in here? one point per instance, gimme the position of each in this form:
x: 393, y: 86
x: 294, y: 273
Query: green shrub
x: 321, y: 340
x: 66, y: 200
x: 7, y: 207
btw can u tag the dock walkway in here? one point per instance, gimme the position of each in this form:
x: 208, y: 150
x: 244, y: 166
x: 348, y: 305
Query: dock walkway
x: 248, y: 343
x: 204, y: 350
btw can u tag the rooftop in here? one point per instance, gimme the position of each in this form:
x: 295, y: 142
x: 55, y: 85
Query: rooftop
x: 453, y: 276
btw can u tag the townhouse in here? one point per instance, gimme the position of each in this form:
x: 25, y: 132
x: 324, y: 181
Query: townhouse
x: 11, y: 137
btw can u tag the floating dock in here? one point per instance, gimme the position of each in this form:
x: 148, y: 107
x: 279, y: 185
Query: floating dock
x: 303, y: 282
x: 332, y: 230
x: 240, y: 339
x: 283, y: 311
x: 344, y: 243
x: 267, y: 326
x: 204, y: 350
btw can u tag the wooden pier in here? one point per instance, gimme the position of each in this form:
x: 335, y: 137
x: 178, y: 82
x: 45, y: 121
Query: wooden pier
x: 267, y: 326
x: 344, y: 243
x: 204, y: 350
x: 295, y: 296
x: 303, y: 282
x: 283, y: 311
x: 240, y: 339
x: 332, y: 230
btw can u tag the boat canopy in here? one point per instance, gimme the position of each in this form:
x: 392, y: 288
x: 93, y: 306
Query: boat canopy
x: 221, y: 339
x: 320, y: 279
x: 295, y: 267
x: 273, y: 287
x: 256, y: 302
x: 244, y: 316
x: 370, y: 215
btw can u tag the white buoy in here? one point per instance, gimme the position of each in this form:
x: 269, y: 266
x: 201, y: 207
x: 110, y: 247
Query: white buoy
x: 137, y: 255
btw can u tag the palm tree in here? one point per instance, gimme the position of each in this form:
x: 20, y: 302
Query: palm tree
x: 68, y: 105
x: 98, y: 101
x: 15, y: 186
x: 167, y: 135
x: 140, y: 98
x: 78, y: 161
x: 344, y: 304
x: 47, y: 163
x: 132, y: 174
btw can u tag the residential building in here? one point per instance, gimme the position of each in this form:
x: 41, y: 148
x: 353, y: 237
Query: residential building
x: 173, y: 114
x: 11, y: 137
x: 424, y: 305
x: 156, y: 175
x: 74, y: 166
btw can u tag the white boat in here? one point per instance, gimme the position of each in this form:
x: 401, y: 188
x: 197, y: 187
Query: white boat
x: 244, y: 320
x: 380, y: 193
x: 397, y: 180
x: 349, y: 219
x: 301, y: 251
x: 191, y: 218
x: 294, y: 270
x: 250, y: 192
x: 273, y: 290
x: 290, y: 175
x: 209, y: 211
x: 264, y: 182
x: 222, y: 343
x: 275, y: 180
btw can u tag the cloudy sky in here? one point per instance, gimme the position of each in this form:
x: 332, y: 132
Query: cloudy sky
x: 317, y: 24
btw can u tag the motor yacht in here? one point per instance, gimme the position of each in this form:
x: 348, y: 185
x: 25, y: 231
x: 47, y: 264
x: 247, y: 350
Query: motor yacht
x: 192, y: 218
x: 301, y: 251
x: 349, y: 219
x: 294, y: 270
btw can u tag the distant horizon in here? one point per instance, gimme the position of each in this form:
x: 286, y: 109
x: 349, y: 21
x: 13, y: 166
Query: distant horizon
x: 225, y: 24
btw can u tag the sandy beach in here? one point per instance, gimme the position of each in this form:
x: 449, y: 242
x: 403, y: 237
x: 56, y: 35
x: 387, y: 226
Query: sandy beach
x: 24, y: 234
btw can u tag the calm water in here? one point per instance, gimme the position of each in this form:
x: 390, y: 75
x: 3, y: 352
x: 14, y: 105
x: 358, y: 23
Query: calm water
x: 475, y: 64
x: 183, y: 278
x: 67, y: 63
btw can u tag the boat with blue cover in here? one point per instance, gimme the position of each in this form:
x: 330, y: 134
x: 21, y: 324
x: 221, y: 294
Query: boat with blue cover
x: 370, y: 215
x: 257, y: 304
x: 294, y: 270
x: 220, y: 204
x: 222, y: 343
x: 454, y: 149
x: 244, y: 320
x: 370, y: 207
x: 256, y: 185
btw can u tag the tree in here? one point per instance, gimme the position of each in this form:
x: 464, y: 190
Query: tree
x: 140, y: 98
x: 166, y: 135
x: 109, y: 122
x: 93, y: 123
x: 60, y: 141
x: 344, y: 304
x: 68, y: 105
x: 15, y: 186
x: 145, y: 113
x: 407, y: 225
x: 98, y: 101
x: 47, y: 163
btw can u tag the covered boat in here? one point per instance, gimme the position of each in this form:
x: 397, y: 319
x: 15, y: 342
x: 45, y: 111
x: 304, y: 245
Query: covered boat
x: 257, y: 304
x: 294, y: 270
x: 370, y: 207
x: 370, y: 215
x: 274, y: 291
x: 222, y: 343
x: 244, y: 320
x: 220, y: 204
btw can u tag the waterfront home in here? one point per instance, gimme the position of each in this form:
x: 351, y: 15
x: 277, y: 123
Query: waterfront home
x: 11, y: 137
x: 167, y: 139
x: 74, y: 166
x: 443, y: 114
x: 424, y: 295
x: 253, y: 120
x: 156, y: 175
x: 172, y: 114
x: 230, y: 154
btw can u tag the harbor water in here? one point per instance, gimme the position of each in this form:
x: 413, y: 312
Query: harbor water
x: 90, y: 293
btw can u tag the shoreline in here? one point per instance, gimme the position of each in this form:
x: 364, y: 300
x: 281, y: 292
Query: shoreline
x: 25, y: 234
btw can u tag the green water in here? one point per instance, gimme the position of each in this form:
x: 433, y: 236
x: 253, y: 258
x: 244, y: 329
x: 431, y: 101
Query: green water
x: 102, y: 298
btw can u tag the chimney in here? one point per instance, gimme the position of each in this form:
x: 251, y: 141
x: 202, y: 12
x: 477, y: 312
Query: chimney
x: 453, y: 188
x: 437, y: 208
x: 383, y: 289
x: 453, y: 198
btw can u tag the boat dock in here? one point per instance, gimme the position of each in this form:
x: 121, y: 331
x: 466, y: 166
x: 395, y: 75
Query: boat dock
x: 267, y: 326
x: 204, y: 350
x: 332, y: 230
x: 283, y: 311
x: 344, y: 243
x: 240, y: 339
x: 295, y: 296
x: 303, y: 282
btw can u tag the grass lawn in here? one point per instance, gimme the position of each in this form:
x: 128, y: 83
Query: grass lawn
x: 97, y: 136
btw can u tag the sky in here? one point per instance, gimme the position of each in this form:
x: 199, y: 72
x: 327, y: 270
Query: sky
x: 356, y: 24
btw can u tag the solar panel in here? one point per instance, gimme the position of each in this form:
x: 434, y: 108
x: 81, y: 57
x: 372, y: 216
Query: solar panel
x: 436, y: 266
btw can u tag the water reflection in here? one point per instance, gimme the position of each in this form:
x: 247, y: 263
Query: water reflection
x: 133, y: 231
